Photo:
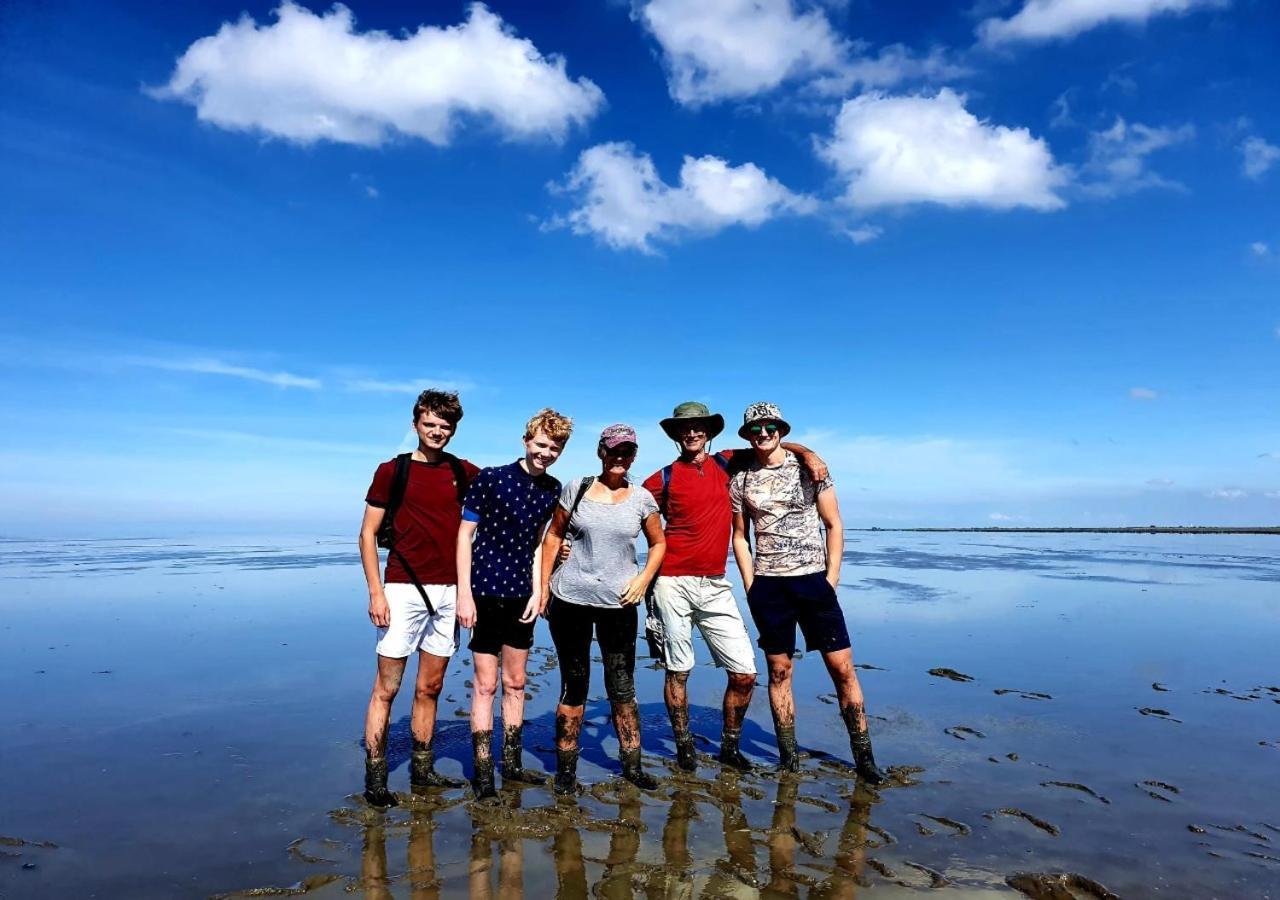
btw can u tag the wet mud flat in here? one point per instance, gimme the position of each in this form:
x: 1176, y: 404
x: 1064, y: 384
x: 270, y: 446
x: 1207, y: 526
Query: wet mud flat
x: 1065, y: 717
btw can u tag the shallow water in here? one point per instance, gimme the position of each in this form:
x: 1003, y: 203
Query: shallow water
x: 183, y: 719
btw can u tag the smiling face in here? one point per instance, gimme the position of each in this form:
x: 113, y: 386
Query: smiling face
x: 434, y: 433
x: 540, y: 452
x: 616, y: 460
x: 693, y: 436
x: 765, y: 435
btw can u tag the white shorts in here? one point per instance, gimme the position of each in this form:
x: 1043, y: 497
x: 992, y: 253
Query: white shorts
x: 683, y: 601
x: 412, y: 628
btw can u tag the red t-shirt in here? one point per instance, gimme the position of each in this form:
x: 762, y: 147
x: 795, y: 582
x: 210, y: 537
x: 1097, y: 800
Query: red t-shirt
x: 698, y: 515
x: 427, y: 523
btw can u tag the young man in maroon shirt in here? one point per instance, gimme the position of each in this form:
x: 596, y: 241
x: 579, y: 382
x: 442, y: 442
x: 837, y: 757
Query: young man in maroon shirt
x: 421, y: 562
x: 691, y: 588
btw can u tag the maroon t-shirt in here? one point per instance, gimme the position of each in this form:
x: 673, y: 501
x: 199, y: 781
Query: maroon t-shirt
x: 698, y: 516
x: 427, y: 523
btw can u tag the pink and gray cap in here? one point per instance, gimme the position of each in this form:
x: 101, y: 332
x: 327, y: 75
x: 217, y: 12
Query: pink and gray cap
x: 615, y: 435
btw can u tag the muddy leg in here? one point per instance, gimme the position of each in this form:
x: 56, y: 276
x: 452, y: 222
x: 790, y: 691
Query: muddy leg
x: 845, y: 678
x: 737, y: 697
x: 676, y: 693
x: 783, y: 706
x: 386, y: 685
x: 568, y: 730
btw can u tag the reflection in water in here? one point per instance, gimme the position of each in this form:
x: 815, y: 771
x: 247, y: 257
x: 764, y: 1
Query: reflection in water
x: 423, y: 881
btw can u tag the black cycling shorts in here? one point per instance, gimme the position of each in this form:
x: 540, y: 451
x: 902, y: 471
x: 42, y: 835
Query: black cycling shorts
x: 498, y: 625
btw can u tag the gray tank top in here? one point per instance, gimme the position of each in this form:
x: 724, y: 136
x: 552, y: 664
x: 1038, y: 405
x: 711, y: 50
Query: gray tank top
x: 603, y: 558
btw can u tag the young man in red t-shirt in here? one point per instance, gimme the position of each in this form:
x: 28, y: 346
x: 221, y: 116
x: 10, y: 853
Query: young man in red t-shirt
x: 691, y: 588
x: 422, y: 561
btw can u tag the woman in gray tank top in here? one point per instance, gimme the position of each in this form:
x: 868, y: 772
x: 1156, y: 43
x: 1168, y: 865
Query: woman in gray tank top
x: 598, y: 589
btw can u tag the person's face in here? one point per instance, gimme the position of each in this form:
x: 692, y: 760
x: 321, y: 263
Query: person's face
x: 765, y: 436
x: 540, y: 452
x: 433, y: 431
x: 617, y: 460
x: 693, y: 436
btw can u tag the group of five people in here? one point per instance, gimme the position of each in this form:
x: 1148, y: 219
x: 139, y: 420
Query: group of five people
x: 492, y: 549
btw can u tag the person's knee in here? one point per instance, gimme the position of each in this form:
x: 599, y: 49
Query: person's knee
x: 677, y: 679
x: 742, y: 682
x: 780, y: 673
x: 429, y: 688
x: 513, y: 681
x: 574, y: 684
x: 619, y: 681
x: 486, y: 684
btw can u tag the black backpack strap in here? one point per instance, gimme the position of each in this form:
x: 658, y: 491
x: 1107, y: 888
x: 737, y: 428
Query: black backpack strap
x: 422, y: 592
x: 666, y: 489
x: 721, y: 461
x: 459, y: 476
x: 395, y: 499
x: 583, y: 487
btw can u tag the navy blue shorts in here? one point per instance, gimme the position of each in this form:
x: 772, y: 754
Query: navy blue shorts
x: 779, y: 603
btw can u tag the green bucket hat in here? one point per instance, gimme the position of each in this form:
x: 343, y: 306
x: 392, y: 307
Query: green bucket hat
x: 692, y: 411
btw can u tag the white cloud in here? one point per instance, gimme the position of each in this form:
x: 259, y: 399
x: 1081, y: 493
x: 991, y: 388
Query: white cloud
x: 863, y: 234
x: 311, y: 77
x: 1118, y: 157
x: 1003, y: 517
x: 211, y: 366
x: 1142, y: 393
x: 1271, y: 495
x: 625, y: 203
x: 1160, y: 482
x: 377, y: 386
x: 1257, y: 157
x: 1227, y: 494
x: 1041, y: 20
x: 894, y: 150
x: 724, y: 49
x: 1260, y: 249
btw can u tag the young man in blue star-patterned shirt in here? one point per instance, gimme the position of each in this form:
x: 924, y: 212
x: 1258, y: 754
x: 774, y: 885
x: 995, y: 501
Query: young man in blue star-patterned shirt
x: 506, y: 511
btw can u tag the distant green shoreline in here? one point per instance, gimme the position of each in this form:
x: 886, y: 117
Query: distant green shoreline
x: 1135, y: 529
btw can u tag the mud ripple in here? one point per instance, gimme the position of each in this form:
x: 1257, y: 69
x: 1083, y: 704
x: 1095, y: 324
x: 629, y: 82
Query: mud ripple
x: 959, y: 731
x: 1077, y: 786
x: 1158, y: 713
x: 943, y: 672
x: 960, y: 829
x: 1058, y: 886
x: 1047, y: 827
x: 310, y: 883
x: 1025, y: 695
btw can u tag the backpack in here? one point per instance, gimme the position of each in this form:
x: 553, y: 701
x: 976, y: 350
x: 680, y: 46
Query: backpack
x: 386, y: 531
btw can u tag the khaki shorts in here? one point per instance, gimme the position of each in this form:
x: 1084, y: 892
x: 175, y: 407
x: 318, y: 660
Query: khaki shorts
x: 683, y: 601
x: 412, y: 628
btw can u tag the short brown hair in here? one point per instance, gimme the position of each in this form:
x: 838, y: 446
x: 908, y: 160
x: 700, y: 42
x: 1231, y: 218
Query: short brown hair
x: 444, y: 404
x: 550, y: 423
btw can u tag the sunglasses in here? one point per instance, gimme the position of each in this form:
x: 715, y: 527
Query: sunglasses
x: 623, y: 450
x: 767, y: 428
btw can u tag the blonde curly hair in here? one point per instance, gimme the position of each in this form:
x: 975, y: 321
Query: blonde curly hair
x: 551, y: 423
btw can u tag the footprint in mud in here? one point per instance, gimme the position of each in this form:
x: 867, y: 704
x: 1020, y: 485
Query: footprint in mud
x: 1058, y: 886
x: 1154, y: 787
x: 1047, y: 827
x: 958, y: 829
x: 943, y: 672
x: 959, y: 731
x: 1076, y: 786
x: 295, y: 849
x: 1158, y: 713
x: 1025, y: 695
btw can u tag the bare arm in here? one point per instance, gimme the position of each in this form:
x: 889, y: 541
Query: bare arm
x: 810, y: 460
x: 550, y: 548
x: 466, y: 602
x: 379, y: 612
x: 742, y: 549
x: 653, y: 533
x: 829, y: 512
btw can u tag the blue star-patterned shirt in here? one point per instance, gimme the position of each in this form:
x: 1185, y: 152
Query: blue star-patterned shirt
x: 512, y: 507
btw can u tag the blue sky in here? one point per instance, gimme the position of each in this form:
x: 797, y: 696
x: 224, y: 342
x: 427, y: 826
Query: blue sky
x: 1008, y: 263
